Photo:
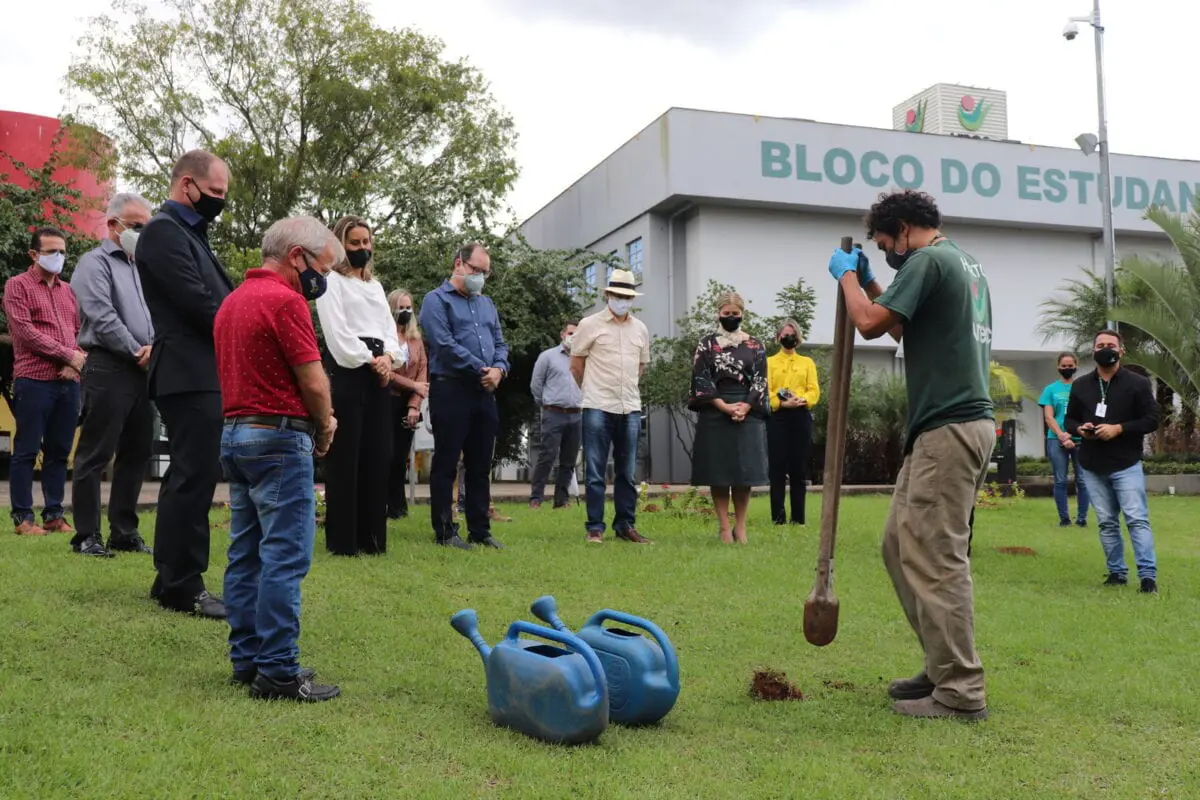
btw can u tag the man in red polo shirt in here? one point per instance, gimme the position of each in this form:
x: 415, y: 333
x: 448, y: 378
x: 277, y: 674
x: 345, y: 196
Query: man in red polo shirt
x: 278, y: 414
x: 43, y: 321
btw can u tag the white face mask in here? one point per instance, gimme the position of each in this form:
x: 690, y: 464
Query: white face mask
x: 52, y: 263
x: 620, y: 307
x: 129, y: 242
x: 567, y: 342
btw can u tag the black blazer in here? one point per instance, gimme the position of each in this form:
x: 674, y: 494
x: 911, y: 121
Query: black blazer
x: 184, y: 284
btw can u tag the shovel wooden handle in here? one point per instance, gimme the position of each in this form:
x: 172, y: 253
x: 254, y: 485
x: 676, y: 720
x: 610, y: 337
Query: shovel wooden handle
x: 820, y: 611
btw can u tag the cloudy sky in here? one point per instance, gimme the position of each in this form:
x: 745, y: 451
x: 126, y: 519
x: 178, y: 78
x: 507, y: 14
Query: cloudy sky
x: 580, y: 77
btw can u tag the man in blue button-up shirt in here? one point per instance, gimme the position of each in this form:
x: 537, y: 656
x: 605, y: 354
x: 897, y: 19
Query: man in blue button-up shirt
x: 467, y: 360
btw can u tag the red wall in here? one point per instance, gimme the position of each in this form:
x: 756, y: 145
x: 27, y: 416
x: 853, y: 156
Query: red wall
x: 28, y: 138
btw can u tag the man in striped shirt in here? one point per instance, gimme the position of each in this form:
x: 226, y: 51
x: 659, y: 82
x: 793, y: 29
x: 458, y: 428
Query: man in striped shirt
x: 43, y: 321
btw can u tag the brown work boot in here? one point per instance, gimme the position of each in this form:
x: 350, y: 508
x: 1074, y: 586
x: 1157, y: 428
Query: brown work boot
x: 631, y: 535
x: 28, y: 528
x: 911, y: 688
x: 928, y: 708
x: 57, y: 526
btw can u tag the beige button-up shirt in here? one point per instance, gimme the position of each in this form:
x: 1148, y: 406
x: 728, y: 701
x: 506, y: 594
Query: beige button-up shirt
x: 615, y: 353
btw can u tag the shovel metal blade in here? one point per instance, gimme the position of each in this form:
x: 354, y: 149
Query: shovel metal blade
x: 821, y: 617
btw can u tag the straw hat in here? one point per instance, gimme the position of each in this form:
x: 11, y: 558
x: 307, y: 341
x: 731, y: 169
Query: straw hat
x: 622, y: 283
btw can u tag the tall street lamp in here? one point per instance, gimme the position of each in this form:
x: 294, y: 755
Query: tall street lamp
x: 1088, y: 143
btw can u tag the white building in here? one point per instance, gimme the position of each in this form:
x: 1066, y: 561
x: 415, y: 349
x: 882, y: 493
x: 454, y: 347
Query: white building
x: 757, y: 202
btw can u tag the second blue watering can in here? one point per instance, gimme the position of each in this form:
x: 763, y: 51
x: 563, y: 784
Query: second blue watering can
x: 556, y: 694
x: 642, y: 674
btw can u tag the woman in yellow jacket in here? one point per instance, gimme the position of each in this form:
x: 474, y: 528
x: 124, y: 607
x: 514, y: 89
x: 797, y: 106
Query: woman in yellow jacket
x: 792, y: 386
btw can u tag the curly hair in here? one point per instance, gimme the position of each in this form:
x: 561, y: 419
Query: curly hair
x: 916, y: 209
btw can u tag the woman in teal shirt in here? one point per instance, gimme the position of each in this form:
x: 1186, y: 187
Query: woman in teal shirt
x: 1061, y: 448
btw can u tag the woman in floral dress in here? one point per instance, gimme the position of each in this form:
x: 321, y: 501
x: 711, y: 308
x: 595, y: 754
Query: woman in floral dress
x: 729, y: 396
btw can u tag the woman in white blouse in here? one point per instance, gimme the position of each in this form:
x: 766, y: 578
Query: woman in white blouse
x: 361, y: 350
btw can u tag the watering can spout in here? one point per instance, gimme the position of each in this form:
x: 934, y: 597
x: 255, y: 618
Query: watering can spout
x: 545, y: 609
x: 466, y: 622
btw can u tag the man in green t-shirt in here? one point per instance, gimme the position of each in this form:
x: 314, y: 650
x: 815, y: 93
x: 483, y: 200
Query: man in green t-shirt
x: 940, y: 305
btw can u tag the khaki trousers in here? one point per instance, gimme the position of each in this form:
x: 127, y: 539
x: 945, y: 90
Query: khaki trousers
x: 925, y: 550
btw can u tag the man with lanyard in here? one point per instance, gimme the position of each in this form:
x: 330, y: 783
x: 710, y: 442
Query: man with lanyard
x: 1113, y: 409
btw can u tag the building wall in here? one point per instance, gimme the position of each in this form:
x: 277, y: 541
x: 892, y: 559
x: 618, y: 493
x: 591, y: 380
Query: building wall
x: 759, y: 251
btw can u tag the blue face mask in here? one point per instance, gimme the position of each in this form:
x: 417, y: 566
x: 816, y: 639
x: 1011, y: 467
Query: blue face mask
x: 312, y: 283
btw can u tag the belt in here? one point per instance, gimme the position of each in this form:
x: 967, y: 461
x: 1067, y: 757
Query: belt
x: 562, y: 410
x: 273, y: 421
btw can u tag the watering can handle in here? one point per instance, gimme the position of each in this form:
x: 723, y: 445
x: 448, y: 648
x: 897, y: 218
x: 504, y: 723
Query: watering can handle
x: 649, y: 627
x: 569, y: 640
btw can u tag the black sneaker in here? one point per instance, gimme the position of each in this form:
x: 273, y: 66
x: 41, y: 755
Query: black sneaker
x: 299, y: 688
x: 454, y: 541
x: 245, y: 677
x: 204, y: 605
x: 91, y: 547
x: 1149, y: 586
x: 1116, y: 579
x: 1081, y: 523
x: 135, y: 545
x: 1064, y: 523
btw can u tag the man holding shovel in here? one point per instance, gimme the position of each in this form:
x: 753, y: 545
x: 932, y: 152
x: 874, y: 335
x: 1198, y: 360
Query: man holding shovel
x: 939, y: 302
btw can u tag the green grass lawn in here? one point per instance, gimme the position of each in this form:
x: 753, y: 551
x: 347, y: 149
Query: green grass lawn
x: 1091, y: 690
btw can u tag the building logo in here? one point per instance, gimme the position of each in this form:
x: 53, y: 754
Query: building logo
x: 972, y: 112
x: 914, y: 120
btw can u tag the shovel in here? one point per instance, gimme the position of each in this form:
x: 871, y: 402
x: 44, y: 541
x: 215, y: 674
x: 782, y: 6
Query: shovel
x: 821, y: 608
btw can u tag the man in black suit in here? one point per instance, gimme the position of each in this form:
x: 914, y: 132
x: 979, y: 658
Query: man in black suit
x: 184, y: 284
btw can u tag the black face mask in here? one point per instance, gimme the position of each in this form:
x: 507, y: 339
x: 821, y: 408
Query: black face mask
x: 1067, y: 372
x: 1106, y: 357
x: 403, y: 316
x: 896, y: 260
x: 208, y: 206
x: 789, y: 342
x: 731, y: 324
x: 358, y: 258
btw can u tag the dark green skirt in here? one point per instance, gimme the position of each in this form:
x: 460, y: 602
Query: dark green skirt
x: 728, y: 453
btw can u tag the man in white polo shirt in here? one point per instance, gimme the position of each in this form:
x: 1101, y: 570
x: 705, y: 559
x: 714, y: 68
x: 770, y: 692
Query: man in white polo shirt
x: 609, y: 353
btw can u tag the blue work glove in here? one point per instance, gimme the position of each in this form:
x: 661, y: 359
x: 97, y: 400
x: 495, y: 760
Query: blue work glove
x: 842, y: 262
x: 865, y: 276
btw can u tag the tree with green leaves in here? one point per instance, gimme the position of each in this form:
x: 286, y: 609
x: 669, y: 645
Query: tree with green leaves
x: 315, y: 109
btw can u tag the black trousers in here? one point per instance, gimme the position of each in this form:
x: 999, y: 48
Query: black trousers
x: 562, y: 435
x: 181, y: 539
x: 357, y: 464
x: 402, y: 438
x: 116, y: 419
x: 465, y: 422
x: 789, y: 444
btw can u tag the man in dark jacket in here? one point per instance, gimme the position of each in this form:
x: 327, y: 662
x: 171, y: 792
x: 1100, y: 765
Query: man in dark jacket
x: 184, y: 284
x: 1113, y: 409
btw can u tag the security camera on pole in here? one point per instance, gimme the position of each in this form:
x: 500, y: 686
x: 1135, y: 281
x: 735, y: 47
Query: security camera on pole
x: 1089, y: 143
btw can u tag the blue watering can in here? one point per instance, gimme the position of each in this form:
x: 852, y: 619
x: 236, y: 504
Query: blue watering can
x: 642, y: 675
x: 543, y: 691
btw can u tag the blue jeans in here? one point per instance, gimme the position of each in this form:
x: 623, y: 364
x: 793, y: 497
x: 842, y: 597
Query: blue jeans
x: 1060, y: 459
x: 1123, y: 492
x: 271, y: 531
x: 620, y: 432
x: 46, y: 413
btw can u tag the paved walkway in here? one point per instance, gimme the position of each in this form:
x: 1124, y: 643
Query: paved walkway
x: 501, y: 492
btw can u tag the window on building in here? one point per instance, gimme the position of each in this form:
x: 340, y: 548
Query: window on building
x: 634, y: 256
x: 589, y: 277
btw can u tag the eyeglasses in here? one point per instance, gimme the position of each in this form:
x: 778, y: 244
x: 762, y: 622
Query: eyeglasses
x: 133, y: 226
x: 476, y: 270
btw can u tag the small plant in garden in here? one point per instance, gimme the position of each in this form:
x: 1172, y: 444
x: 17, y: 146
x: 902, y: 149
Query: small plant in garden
x: 996, y: 494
